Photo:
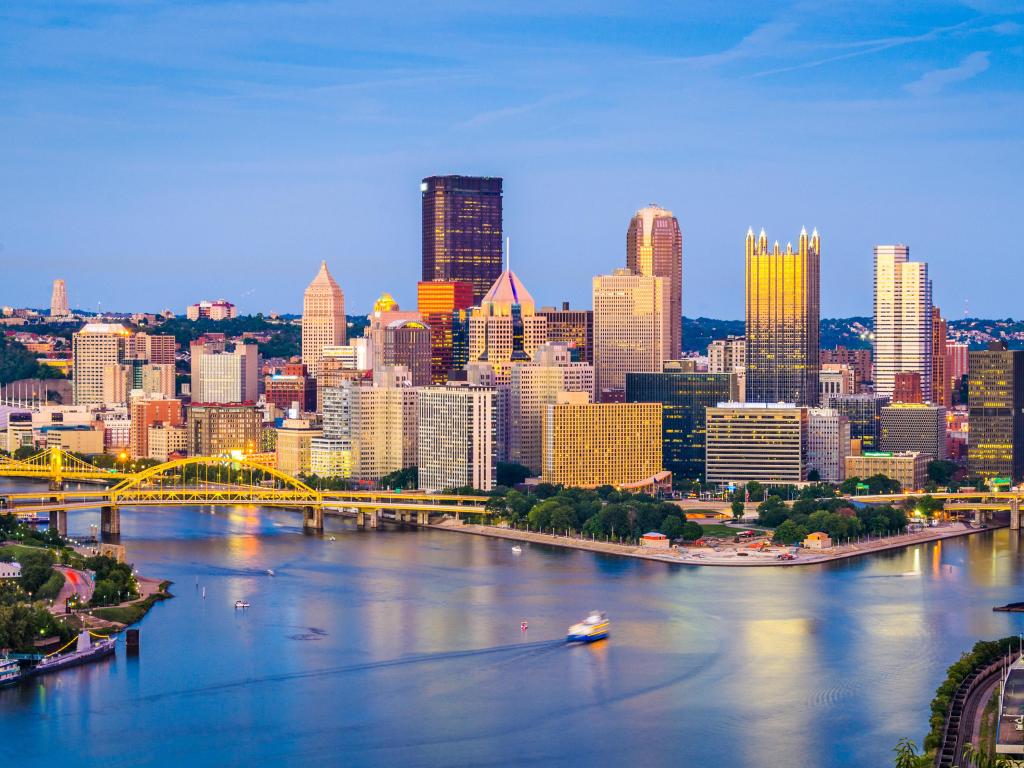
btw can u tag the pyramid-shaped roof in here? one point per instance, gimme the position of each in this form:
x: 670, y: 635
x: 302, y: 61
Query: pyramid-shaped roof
x: 324, y: 279
x: 506, y: 291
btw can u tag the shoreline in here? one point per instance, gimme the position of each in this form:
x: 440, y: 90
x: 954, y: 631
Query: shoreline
x: 688, y: 556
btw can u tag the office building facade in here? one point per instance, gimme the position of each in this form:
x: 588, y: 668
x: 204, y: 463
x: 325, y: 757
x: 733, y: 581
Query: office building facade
x: 456, y: 440
x: 586, y: 444
x: 914, y: 427
x: 684, y: 397
x: 631, y: 327
x: 323, y: 318
x: 766, y: 442
x: 996, y: 413
x: 462, y: 230
x: 573, y: 328
x: 783, y: 316
x: 903, y: 318
x: 654, y: 246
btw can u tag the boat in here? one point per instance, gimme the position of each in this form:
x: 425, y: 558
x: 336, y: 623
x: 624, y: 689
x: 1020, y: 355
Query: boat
x: 270, y: 572
x: 594, y: 627
x: 332, y: 539
x: 85, y: 651
x: 10, y: 672
x: 516, y: 549
x: 241, y: 604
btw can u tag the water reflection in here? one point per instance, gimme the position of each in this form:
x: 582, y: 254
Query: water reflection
x: 403, y: 647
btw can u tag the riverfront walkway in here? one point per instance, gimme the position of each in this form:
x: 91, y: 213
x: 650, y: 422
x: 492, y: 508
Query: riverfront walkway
x: 726, y: 555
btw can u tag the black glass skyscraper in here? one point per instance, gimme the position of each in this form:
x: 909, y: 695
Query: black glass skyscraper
x: 462, y: 230
x: 684, y: 396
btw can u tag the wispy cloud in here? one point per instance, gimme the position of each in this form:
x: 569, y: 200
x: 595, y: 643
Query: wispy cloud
x: 932, y: 82
x: 866, y: 47
x: 497, y: 115
x: 760, y: 42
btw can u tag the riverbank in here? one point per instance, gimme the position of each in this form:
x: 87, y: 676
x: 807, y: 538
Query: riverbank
x: 727, y: 554
x: 118, y: 617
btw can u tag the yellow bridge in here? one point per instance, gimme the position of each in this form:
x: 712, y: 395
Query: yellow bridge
x: 981, y: 503
x: 212, y: 480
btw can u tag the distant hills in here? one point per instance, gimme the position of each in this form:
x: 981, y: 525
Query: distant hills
x: 854, y: 332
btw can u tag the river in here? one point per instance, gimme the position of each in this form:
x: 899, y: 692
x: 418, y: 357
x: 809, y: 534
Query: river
x: 394, y: 647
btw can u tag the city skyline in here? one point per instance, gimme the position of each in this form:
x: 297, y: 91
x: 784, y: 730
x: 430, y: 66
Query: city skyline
x: 865, y: 101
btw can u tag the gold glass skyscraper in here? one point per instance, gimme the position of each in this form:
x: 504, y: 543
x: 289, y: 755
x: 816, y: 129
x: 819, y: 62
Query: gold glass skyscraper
x: 783, y: 313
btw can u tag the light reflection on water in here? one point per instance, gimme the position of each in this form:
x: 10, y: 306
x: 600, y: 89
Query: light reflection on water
x: 401, y: 647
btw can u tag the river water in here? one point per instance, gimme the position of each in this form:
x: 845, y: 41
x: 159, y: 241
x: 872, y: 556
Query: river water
x: 404, y: 648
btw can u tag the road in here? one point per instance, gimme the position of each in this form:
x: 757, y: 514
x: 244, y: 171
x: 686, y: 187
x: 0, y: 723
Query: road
x: 75, y: 582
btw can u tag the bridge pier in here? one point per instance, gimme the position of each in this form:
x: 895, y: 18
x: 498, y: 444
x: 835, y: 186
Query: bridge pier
x: 367, y: 518
x: 56, y: 484
x: 59, y: 521
x: 313, y: 519
x: 1015, y: 514
x: 422, y: 517
x: 110, y: 523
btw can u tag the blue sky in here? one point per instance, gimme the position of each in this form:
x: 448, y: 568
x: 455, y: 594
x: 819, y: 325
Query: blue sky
x: 156, y: 153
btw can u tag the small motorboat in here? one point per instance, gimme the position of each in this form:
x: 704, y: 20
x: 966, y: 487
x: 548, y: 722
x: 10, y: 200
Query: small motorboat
x: 523, y: 626
x: 270, y: 572
x: 594, y: 627
x: 241, y: 604
x: 332, y: 539
x: 516, y: 549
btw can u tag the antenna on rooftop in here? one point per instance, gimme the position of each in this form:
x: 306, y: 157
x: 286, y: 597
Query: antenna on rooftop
x: 508, y: 253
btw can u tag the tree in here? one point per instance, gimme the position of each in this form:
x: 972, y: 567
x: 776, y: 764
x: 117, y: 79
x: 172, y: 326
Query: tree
x: 737, y: 508
x: 692, y: 531
x: 756, y: 490
x: 672, y: 526
x: 511, y: 474
x: 941, y: 472
x: 813, y: 476
x: 907, y: 755
x: 772, y: 511
x: 789, y: 533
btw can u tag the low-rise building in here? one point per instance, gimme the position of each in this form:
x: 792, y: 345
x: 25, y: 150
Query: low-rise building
x: 909, y: 469
x: 10, y: 570
x: 817, y: 540
x: 166, y: 440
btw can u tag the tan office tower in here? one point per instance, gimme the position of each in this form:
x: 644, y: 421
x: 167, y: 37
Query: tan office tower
x: 783, y: 316
x: 903, y: 318
x: 533, y: 387
x: 323, y: 318
x: 505, y: 328
x: 93, y: 348
x: 654, y: 246
x: 59, y: 300
x: 631, y: 327
x: 941, y: 393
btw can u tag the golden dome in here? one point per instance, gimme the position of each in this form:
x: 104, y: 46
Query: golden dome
x: 385, y: 303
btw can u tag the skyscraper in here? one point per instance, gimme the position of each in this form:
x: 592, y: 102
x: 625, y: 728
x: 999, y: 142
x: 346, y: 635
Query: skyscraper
x: 631, y: 327
x: 903, y: 318
x: 323, y: 318
x: 940, y: 394
x: 59, y: 300
x: 505, y: 328
x: 654, y: 246
x: 783, y: 317
x: 225, y: 377
x: 93, y: 349
x: 462, y: 230
x: 572, y: 327
x: 456, y: 439
x: 438, y: 302
x: 684, y: 398
x: 996, y: 415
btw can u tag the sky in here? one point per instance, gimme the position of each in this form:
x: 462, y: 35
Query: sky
x: 156, y: 153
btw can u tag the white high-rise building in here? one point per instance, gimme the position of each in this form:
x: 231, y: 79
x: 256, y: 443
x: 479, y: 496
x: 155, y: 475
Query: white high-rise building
x: 457, y: 447
x: 903, y: 318
x: 534, y: 386
x: 373, y: 429
x: 631, y: 327
x: 323, y: 318
x: 93, y: 349
x: 225, y: 377
x: 828, y: 443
